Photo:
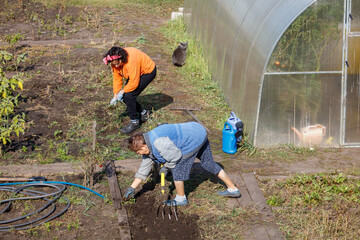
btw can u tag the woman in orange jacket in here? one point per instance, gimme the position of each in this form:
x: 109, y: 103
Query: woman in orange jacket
x: 138, y: 70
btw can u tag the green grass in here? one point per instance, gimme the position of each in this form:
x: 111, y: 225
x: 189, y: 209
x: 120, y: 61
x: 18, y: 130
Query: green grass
x: 158, y: 6
x: 316, y: 206
x: 286, y: 152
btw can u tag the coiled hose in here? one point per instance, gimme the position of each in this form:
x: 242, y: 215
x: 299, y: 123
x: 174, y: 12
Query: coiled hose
x: 51, y: 198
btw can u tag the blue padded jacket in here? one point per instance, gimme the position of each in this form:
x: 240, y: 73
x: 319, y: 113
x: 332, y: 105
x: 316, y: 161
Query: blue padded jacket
x: 169, y: 143
x: 188, y: 137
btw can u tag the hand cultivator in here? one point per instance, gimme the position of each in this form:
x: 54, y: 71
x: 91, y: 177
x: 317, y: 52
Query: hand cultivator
x: 163, y: 206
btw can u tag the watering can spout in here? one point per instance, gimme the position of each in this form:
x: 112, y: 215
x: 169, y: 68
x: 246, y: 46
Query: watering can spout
x: 297, y: 133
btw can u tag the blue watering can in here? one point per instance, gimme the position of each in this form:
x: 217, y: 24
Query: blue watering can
x: 237, y: 125
x: 229, y: 139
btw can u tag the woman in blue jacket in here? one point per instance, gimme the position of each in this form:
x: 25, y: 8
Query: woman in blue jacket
x: 176, y: 146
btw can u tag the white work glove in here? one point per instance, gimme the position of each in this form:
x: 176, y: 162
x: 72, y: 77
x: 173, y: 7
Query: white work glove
x: 120, y: 96
x: 113, y: 101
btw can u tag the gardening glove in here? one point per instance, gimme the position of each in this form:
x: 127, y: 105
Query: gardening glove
x: 130, y: 193
x: 113, y: 102
x: 120, y: 96
x: 164, y: 170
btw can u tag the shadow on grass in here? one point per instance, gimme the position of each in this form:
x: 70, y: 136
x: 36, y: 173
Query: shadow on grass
x: 198, y: 176
x: 152, y: 102
x: 155, y: 101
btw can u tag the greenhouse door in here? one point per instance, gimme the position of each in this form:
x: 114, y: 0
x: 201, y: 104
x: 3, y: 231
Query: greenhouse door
x: 351, y: 85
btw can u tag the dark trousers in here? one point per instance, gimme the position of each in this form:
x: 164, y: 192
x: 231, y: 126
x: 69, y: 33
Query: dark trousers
x: 132, y: 106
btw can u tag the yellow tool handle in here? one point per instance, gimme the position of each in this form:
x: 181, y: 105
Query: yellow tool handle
x: 162, y: 182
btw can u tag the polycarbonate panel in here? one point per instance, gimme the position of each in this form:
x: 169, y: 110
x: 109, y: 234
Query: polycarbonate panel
x: 352, y: 123
x: 218, y: 43
x: 235, y: 21
x: 245, y: 93
x: 220, y: 30
x: 208, y: 27
x: 202, y: 23
x: 244, y: 35
x: 355, y: 16
x: 313, y: 42
x: 303, y: 102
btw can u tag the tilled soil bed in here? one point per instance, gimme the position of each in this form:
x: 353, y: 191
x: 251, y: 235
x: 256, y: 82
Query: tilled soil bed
x: 91, y: 217
x: 146, y: 220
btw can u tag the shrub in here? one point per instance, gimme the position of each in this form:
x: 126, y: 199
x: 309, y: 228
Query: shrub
x: 10, y: 122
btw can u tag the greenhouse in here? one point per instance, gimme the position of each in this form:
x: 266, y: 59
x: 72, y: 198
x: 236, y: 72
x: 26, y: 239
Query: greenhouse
x: 288, y: 68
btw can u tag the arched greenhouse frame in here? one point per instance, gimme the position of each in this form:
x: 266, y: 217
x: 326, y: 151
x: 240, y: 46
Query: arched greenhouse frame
x: 288, y: 68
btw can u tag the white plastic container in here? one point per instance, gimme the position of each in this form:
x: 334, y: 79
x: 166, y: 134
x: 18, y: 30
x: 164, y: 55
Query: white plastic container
x: 175, y: 15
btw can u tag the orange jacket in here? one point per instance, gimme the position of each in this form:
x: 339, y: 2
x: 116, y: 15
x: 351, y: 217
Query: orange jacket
x: 138, y: 64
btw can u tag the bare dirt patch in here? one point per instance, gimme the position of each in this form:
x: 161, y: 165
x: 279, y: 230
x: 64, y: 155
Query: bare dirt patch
x: 146, y: 222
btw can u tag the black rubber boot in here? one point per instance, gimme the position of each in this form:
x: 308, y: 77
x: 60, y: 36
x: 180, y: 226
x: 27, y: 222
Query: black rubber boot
x: 145, y: 117
x: 133, y: 125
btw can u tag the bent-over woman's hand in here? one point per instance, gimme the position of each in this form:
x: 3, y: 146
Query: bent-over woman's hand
x: 130, y: 193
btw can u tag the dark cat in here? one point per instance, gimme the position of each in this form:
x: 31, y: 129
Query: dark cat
x: 179, y: 55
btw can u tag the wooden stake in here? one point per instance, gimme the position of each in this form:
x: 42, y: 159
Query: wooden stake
x: 94, y: 136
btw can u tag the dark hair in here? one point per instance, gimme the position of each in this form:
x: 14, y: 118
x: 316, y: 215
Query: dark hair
x: 136, y: 141
x: 118, y: 51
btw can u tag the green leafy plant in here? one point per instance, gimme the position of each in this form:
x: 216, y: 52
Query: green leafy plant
x: 21, y: 58
x: 141, y: 39
x: 305, y: 41
x: 47, y: 226
x: 10, y: 122
x: 63, y: 152
x: 13, y: 38
x: 247, y: 147
x: 57, y: 134
x: 275, y: 200
x: 5, y: 56
x: 77, y: 99
x: 73, y: 225
x: 24, y: 149
x: 54, y: 123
